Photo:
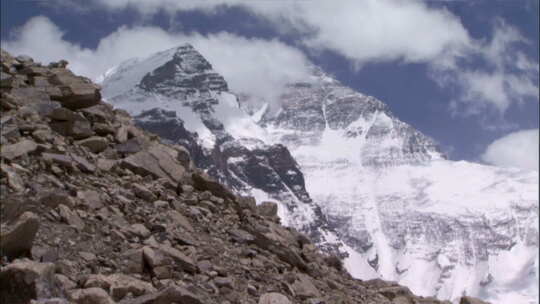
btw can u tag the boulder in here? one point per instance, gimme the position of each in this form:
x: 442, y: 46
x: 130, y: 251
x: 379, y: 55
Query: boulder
x: 52, y: 199
x: 103, y: 129
x: 19, y: 149
x: 171, y: 294
x: 153, y: 258
x: 273, y: 298
x: 184, y: 157
x: 105, y: 164
x: 160, y: 265
x: 63, y: 114
x: 76, y: 92
x: 470, y: 300
x: 62, y: 160
x: 43, y: 136
x: 24, y: 280
x: 121, y: 134
x: 6, y: 60
x: 167, y: 160
x: 99, y: 113
x: 95, y: 144
x: 272, y: 241
x: 15, y: 182
x: 64, y: 282
x: 78, y: 127
x: 267, y: 209
x: 6, y: 80
x: 92, y: 295
x: 304, y: 288
x: 241, y: 236
x: 178, y: 220
x: 181, y: 260
x: 132, y: 261
x: 247, y: 202
x: 71, y: 217
x: 143, y: 193
x: 203, y: 182
x: 139, y: 230
x: 143, y: 163
x: 83, y: 164
x: 224, y: 282
x: 130, y: 146
x: 97, y: 280
x: 33, y: 70
x: 17, y: 240
x: 91, y: 199
x: 121, y: 285
x: 34, y: 98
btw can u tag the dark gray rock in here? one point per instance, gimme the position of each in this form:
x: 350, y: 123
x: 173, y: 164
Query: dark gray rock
x: 267, y: 209
x: 76, y: 92
x: 273, y: 298
x: 19, y: 149
x: 24, y: 280
x: 172, y: 294
x: 78, y: 127
x: 95, y: 144
x: 16, y: 240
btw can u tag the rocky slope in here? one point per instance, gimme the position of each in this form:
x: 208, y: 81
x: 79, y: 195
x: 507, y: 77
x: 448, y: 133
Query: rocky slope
x: 96, y: 210
x: 350, y: 174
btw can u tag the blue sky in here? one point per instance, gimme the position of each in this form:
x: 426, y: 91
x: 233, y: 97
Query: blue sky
x: 462, y: 72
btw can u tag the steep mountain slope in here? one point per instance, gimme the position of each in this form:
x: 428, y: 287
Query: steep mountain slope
x: 94, y: 210
x: 350, y: 174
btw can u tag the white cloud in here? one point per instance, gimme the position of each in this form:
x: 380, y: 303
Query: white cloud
x: 393, y: 30
x: 368, y: 31
x: 518, y: 149
x: 43, y: 40
x: 509, y: 76
x: 260, y: 68
x: 254, y: 66
x: 363, y: 31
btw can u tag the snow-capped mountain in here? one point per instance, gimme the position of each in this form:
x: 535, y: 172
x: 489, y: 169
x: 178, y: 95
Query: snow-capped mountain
x: 348, y: 172
x: 177, y: 94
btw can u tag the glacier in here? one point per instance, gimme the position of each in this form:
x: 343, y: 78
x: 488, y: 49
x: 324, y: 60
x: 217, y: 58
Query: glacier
x: 367, y: 183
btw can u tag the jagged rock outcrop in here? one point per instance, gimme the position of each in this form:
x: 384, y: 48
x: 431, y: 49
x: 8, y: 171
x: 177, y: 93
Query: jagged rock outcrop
x: 138, y: 225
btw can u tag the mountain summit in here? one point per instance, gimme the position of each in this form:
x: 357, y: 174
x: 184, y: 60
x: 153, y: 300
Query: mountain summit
x: 346, y: 171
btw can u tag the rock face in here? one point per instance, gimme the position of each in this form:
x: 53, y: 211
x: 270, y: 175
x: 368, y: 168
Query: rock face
x: 347, y: 172
x: 75, y: 230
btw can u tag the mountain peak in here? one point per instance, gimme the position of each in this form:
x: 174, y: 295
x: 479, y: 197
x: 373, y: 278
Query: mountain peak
x: 180, y: 72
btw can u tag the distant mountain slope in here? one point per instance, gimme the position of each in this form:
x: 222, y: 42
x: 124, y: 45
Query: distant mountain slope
x: 349, y: 173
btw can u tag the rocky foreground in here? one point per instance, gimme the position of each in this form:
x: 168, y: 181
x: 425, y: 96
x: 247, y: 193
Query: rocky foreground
x: 95, y: 210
